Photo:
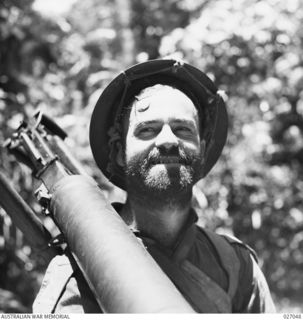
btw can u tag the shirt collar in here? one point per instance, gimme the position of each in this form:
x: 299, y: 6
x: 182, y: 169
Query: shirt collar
x: 186, y: 238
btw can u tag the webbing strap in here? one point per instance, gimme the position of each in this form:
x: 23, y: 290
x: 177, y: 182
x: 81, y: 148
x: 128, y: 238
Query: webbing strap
x: 204, y: 294
x: 213, y: 291
x: 229, y: 260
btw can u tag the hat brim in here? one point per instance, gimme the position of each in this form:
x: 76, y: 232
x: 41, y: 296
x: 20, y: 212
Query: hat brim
x: 134, y: 79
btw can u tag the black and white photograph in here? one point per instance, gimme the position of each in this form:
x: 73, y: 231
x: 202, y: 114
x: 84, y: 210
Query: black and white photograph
x: 151, y: 158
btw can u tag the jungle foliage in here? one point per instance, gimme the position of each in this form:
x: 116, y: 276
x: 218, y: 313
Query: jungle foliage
x: 252, y: 50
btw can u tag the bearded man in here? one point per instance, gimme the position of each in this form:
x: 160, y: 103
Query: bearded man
x: 157, y: 129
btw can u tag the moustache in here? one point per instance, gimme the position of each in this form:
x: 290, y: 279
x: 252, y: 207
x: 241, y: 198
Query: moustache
x: 173, y: 155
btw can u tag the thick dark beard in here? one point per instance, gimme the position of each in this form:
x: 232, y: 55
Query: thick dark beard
x: 144, y: 177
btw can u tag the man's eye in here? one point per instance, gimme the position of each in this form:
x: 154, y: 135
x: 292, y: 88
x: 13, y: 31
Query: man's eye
x: 182, y: 129
x: 146, y: 132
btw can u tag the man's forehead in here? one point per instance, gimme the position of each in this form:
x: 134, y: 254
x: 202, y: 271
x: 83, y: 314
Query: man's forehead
x: 161, y: 97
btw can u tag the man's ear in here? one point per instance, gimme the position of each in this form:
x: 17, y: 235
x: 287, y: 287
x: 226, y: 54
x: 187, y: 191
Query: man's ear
x: 120, y: 155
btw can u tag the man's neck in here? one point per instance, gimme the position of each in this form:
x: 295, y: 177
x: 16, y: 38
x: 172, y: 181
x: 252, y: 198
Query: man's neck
x: 160, y: 220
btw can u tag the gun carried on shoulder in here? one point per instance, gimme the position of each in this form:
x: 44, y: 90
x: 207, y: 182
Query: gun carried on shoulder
x: 118, y: 269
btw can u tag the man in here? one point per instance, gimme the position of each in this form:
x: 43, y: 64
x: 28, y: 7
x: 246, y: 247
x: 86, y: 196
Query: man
x: 157, y: 129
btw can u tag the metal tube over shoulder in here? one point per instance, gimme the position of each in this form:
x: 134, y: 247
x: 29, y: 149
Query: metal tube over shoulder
x: 120, y: 272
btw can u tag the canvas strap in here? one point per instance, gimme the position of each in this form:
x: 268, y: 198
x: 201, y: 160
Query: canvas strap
x: 228, y: 258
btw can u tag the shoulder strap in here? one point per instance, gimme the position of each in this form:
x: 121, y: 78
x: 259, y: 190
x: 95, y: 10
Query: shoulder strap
x: 228, y: 258
x: 233, y: 240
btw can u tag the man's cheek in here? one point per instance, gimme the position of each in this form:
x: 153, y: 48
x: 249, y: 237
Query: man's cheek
x: 136, y: 148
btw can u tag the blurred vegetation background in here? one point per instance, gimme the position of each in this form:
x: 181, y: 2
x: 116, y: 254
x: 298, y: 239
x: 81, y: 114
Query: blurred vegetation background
x: 253, y: 51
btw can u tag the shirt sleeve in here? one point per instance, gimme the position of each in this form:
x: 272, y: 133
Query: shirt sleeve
x: 260, y: 299
x: 253, y: 295
x: 64, y: 290
x: 57, y: 275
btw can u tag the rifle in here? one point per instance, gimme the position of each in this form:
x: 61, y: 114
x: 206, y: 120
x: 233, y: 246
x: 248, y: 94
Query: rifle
x: 118, y: 269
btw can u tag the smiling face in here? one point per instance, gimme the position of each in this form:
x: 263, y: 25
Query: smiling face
x: 163, y: 151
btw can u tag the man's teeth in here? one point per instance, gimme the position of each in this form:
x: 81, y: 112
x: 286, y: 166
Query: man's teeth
x: 168, y: 160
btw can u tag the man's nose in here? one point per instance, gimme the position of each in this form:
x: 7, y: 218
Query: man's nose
x: 166, y: 138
